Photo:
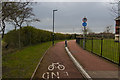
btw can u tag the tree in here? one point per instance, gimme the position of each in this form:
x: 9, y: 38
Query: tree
x: 16, y: 13
x: 8, y: 9
x: 108, y: 29
x: 108, y: 32
x: 115, y: 9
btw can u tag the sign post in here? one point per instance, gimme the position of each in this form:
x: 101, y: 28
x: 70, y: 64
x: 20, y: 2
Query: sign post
x: 84, y: 31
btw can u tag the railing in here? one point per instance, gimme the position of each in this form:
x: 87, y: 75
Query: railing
x: 106, y: 48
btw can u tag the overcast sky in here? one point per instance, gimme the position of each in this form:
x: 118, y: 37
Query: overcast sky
x: 68, y: 18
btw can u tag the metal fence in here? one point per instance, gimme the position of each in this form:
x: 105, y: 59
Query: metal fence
x: 106, y: 48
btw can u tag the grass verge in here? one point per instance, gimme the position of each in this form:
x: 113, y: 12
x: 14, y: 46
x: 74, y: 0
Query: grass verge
x: 21, y: 64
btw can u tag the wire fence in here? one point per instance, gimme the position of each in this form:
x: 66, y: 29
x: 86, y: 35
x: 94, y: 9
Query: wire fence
x: 106, y: 48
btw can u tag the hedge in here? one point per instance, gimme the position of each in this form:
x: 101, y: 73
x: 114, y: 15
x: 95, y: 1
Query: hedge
x: 30, y: 35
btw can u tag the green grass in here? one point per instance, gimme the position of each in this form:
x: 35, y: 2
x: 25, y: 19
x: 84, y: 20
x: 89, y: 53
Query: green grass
x: 109, y: 48
x: 21, y: 64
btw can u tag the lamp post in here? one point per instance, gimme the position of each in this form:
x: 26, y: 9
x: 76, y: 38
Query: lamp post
x: 118, y: 22
x: 119, y: 46
x: 53, y: 26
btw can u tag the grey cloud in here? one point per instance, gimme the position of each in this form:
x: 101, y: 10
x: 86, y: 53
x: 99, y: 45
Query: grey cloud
x: 70, y: 15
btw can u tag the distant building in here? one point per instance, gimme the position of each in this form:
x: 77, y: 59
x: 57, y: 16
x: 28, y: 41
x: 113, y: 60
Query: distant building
x: 117, y: 28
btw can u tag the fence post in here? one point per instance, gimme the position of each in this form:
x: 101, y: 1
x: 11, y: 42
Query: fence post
x: 92, y: 45
x: 101, y: 45
x: 77, y: 40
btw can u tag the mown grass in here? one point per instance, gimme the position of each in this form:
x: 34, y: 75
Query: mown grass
x: 109, y: 48
x: 21, y: 64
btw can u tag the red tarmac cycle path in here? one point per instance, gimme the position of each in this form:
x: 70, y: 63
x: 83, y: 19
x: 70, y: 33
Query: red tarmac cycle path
x: 57, y: 54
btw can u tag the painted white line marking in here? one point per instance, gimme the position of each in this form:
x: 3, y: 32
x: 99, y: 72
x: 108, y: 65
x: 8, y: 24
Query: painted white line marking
x: 46, y: 75
x: 39, y: 63
x: 55, y: 75
x: 80, y: 68
x: 51, y: 74
x: 67, y: 73
x: 56, y: 66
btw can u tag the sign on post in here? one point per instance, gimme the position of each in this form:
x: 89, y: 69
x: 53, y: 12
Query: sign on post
x: 84, y: 24
x: 84, y: 19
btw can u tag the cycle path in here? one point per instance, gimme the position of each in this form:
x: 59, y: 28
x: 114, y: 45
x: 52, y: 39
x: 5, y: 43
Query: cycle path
x: 95, y: 66
x: 63, y: 66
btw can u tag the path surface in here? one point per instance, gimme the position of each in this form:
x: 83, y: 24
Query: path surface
x: 95, y: 66
x: 57, y: 54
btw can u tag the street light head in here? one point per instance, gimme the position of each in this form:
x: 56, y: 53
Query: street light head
x: 55, y: 10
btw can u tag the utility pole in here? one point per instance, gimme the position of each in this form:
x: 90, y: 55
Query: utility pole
x: 0, y: 56
x: 118, y: 16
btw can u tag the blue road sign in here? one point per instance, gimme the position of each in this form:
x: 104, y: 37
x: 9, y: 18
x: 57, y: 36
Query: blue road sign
x: 84, y: 24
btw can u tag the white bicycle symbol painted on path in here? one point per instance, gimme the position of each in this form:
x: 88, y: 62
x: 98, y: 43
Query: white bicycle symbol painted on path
x: 56, y: 66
